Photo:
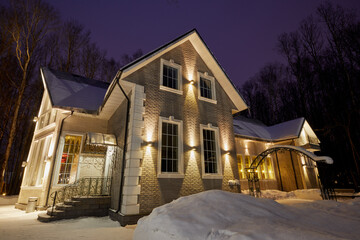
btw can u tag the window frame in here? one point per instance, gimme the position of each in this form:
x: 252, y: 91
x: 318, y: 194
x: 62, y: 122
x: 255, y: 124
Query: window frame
x: 180, y: 172
x: 172, y: 64
x: 219, y: 174
x: 59, y: 152
x: 213, y: 90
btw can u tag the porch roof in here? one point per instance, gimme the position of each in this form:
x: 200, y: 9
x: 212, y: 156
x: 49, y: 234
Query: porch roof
x: 255, y: 129
x: 73, y: 92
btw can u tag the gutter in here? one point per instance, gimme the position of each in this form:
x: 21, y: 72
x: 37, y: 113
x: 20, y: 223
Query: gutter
x: 118, y: 75
x: 54, y: 159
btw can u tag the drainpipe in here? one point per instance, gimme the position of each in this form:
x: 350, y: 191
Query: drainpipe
x: 53, y: 166
x: 125, y: 141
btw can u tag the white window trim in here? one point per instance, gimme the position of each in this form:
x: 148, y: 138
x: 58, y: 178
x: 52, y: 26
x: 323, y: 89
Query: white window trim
x: 180, y: 173
x: 59, y: 154
x: 44, y: 159
x: 171, y: 63
x: 213, y: 91
x: 219, y: 174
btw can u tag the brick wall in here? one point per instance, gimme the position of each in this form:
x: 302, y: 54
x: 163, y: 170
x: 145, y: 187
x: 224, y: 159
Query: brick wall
x: 193, y: 112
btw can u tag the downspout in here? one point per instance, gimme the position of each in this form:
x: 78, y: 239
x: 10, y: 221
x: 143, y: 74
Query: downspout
x: 55, y: 149
x: 118, y: 75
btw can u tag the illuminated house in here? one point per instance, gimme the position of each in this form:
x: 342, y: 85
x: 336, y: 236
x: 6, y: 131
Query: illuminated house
x: 163, y: 128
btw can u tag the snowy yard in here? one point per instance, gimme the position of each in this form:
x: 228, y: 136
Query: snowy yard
x: 16, y: 224
x: 207, y: 215
x: 223, y: 215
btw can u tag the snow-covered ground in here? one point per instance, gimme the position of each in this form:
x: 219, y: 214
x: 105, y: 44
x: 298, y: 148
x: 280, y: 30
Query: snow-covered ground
x: 16, y: 224
x: 208, y: 215
x: 222, y: 215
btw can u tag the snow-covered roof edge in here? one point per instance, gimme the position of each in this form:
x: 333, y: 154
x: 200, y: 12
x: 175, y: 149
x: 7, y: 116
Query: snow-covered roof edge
x: 291, y: 129
x: 87, y: 81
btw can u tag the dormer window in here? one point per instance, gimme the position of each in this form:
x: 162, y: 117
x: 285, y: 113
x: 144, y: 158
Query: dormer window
x: 206, y: 87
x: 170, y: 76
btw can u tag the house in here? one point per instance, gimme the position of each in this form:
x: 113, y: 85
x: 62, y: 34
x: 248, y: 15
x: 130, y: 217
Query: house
x: 163, y: 128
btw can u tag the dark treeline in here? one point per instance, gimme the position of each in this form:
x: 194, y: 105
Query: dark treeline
x: 320, y: 81
x: 32, y: 35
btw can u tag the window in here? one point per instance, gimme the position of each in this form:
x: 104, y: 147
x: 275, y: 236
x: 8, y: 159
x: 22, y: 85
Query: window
x: 37, y: 160
x: 264, y: 170
x: 241, y: 167
x: 206, y: 88
x: 170, y: 76
x: 170, y: 148
x: 47, y: 115
x: 210, y: 152
x: 69, y: 159
x: 47, y: 118
x: 243, y: 164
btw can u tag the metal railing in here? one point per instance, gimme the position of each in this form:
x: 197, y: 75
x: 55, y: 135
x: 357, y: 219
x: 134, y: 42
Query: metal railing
x: 87, y: 186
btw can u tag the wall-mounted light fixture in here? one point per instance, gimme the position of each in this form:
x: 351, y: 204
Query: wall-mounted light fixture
x: 35, y: 119
x: 192, y: 82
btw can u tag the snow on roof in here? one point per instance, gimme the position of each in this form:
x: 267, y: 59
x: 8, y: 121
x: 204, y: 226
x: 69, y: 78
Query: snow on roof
x: 255, y: 129
x: 74, y: 92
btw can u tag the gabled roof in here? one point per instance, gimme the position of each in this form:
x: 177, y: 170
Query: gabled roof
x: 73, y: 92
x: 254, y: 129
x: 205, y: 53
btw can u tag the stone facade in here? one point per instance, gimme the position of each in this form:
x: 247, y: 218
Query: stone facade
x: 192, y: 112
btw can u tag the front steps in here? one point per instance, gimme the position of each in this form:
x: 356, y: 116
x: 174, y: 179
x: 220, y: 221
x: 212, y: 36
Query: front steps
x: 97, y: 206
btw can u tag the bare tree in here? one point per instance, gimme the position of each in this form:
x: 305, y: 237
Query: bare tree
x: 27, y: 23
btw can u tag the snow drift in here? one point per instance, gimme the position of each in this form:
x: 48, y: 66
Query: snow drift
x: 217, y: 214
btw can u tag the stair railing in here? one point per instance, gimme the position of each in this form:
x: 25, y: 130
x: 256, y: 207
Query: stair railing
x: 83, y: 187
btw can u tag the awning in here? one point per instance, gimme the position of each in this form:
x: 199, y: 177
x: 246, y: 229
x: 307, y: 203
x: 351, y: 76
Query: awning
x: 100, y: 139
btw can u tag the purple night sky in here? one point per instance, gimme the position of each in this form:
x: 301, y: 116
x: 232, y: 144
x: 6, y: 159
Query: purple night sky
x: 241, y: 34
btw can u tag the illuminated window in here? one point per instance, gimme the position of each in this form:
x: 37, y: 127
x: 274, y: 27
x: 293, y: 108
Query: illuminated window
x: 263, y: 171
x: 269, y: 168
x: 170, y: 76
x: 69, y: 159
x: 210, y: 151
x: 170, y: 147
x: 247, y: 162
x: 265, y: 168
x: 241, y: 167
x: 206, y: 88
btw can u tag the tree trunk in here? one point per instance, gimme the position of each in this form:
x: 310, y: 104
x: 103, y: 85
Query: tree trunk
x: 12, y: 132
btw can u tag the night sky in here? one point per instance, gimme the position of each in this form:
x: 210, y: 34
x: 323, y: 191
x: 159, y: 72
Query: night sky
x: 241, y: 34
